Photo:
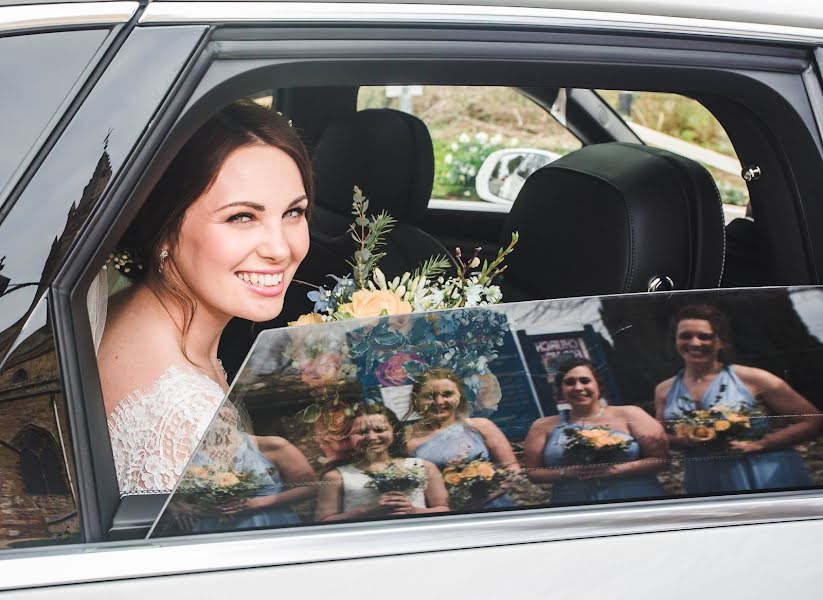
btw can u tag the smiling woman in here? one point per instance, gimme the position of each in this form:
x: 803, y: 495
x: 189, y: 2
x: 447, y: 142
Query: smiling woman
x: 221, y: 236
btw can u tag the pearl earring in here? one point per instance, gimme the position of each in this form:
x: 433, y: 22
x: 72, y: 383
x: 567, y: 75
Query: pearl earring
x: 164, y: 254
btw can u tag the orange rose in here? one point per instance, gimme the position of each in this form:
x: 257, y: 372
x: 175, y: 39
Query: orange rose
x: 469, y: 472
x: 485, y: 470
x: 612, y: 440
x: 722, y: 425
x: 452, y: 478
x: 682, y: 429
x: 593, y: 434
x: 226, y: 479
x: 374, y: 303
x: 307, y: 319
x: 702, y: 434
x: 198, y: 472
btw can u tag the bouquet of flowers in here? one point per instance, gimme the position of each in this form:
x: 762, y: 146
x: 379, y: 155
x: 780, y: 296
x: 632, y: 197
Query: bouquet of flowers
x: 469, y: 482
x: 366, y: 292
x: 594, y: 445
x: 716, y: 425
x: 397, y: 478
x: 215, y: 487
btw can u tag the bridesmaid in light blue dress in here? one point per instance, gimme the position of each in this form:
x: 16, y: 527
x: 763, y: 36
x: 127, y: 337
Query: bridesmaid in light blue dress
x: 631, y: 477
x: 597, y: 489
x: 275, y: 463
x: 764, y: 459
x: 445, y: 434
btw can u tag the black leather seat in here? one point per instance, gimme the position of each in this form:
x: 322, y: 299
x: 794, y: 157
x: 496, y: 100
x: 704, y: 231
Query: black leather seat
x: 610, y: 218
x: 388, y: 154
x: 744, y: 265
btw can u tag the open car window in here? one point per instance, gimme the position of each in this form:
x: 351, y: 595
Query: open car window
x: 475, y: 410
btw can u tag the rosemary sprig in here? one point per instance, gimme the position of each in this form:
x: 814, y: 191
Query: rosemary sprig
x: 432, y: 267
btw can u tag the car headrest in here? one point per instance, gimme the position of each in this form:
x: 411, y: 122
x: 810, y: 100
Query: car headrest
x: 609, y: 218
x: 386, y: 153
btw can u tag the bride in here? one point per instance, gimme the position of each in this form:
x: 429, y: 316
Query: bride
x: 221, y: 236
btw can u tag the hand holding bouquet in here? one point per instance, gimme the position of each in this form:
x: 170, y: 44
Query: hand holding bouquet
x: 206, y: 486
x: 594, y: 446
x: 470, y: 482
x: 396, y: 478
x: 716, y: 425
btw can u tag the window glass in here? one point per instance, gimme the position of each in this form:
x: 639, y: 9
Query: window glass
x: 473, y: 125
x: 684, y: 126
x: 548, y: 403
x: 53, y: 62
x: 37, y: 504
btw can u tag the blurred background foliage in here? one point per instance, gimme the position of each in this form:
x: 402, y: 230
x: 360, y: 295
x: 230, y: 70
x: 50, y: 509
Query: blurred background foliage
x: 455, y: 115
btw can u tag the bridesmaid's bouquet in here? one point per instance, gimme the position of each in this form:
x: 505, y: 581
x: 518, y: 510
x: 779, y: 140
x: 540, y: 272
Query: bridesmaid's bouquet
x: 594, y: 445
x: 470, y: 482
x: 716, y: 425
x: 215, y: 487
x: 397, y: 478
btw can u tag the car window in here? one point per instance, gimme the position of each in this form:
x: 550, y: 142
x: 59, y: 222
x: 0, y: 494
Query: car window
x: 550, y: 403
x: 54, y: 61
x: 37, y: 489
x: 684, y: 126
x: 469, y: 124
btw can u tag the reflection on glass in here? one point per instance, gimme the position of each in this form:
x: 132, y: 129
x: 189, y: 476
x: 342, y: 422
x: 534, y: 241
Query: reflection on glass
x: 527, y: 404
x: 374, y: 482
x: 745, y: 420
x: 591, y: 451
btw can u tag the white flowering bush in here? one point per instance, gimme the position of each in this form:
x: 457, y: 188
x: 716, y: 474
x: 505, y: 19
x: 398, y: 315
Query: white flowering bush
x: 461, y: 161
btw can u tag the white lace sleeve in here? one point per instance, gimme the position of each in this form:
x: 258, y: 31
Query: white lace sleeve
x: 153, y: 435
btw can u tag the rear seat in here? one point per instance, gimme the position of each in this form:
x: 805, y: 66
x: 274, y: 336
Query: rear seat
x: 611, y: 218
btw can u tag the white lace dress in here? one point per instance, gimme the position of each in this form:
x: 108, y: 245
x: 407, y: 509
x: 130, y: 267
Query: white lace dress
x: 154, y: 434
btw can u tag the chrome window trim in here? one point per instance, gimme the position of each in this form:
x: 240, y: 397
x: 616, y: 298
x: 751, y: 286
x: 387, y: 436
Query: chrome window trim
x: 39, y: 16
x: 193, y: 554
x: 440, y: 14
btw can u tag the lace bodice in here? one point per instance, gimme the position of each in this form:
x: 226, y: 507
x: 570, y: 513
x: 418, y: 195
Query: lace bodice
x: 154, y: 434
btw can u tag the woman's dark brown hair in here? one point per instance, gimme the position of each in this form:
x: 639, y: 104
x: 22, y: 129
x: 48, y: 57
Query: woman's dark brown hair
x: 434, y: 375
x: 572, y: 363
x: 191, y: 174
x: 717, y: 319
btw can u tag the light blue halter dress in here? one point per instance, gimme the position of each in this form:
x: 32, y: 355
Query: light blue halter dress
x: 249, y: 458
x: 716, y: 471
x: 458, y: 442
x: 602, y: 489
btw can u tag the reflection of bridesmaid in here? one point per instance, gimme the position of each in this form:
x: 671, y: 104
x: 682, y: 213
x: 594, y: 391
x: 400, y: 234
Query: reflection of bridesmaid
x: 445, y: 434
x: 348, y: 492
x: 702, y: 338
x: 642, y: 444
x: 284, y: 478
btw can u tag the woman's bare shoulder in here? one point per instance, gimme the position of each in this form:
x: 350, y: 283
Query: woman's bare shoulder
x: 138, y: 346
x: 664, y: 386
x: 630, y: 413
x: 545, y: 423
x: 481, y: 424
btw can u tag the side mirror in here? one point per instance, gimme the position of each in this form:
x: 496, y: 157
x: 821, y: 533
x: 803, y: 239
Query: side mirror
x: 504, y: 172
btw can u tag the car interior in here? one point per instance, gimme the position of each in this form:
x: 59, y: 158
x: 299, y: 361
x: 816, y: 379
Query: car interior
x: 616, y: 216
x: 624, y: 213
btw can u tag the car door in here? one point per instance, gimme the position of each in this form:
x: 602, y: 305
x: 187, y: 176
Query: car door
x: 137, y: 113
